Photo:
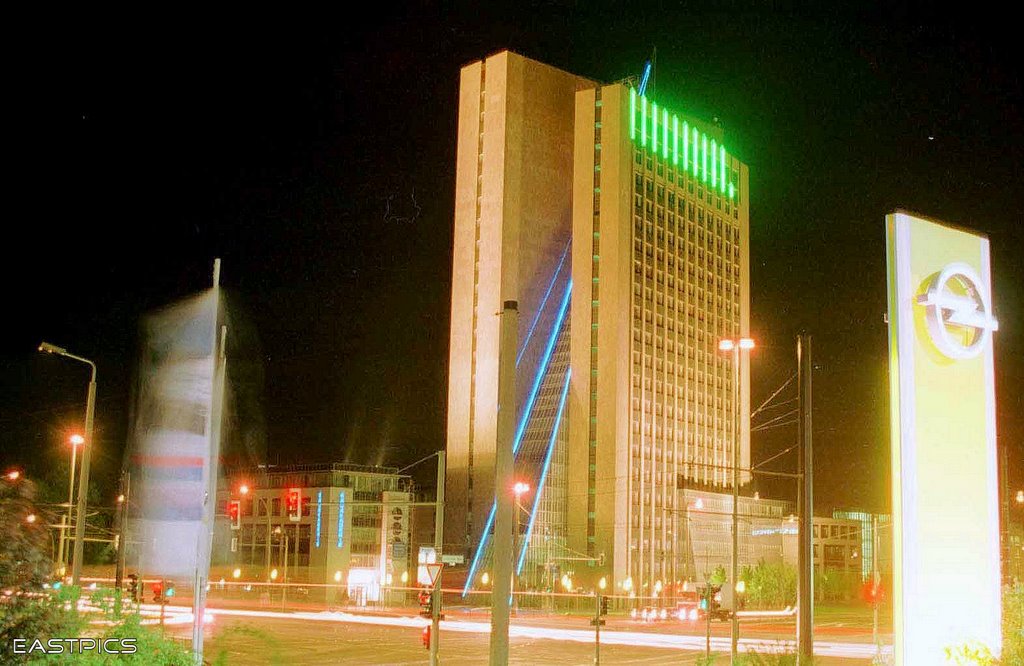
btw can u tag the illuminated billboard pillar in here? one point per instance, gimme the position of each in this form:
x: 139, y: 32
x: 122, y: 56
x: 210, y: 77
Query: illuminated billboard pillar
x: 944, y: 474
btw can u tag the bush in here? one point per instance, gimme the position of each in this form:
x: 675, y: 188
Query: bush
x: 770, y: 585
x: 1013, y: 624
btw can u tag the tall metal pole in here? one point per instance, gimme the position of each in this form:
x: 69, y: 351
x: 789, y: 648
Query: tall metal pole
x: 71, y: 502
x: 1005, y: 522
x: 874, y: 582
x: 503, y: 471
x: 218, y: 363
x: 122, y: 522
x: 805, y: 555
x: 83, y: 482
x: 435, y: 607
x: 734, y: 576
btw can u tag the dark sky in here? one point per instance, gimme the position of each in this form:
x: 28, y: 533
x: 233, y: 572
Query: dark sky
x: 317, y: 160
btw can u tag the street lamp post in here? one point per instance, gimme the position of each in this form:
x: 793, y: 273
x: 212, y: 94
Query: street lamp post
x: 75, y: 440
x: 520, y: 489
x: 83, y: 483
x: 735, y: 346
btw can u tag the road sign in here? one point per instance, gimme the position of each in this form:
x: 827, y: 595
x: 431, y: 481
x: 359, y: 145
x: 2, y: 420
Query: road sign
x: 433, y: 571
x: 452, y: 560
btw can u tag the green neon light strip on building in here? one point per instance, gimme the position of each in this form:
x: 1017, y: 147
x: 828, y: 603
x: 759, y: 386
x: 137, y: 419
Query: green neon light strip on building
x: 714, y: 164
x: 696, y: 152
x: 665, y: 133
x: 704, y: 157
x: 632, y: 114
x: 686, y: 147
x: 721, y: 165
x: 643, y: 122
x: 675, y: 140
x: 654, y: 127
x: 695, y: 144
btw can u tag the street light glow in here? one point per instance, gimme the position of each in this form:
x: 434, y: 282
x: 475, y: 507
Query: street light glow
x: 486, y: 578
x: 726, y: 345
x: 52, y: 349
x: 76, y: 440
x: 602, y: 583
x: 520, y: 488
x: 243, y: 489
x: 13, y: 475
x: 30, y: 518
x: 120, y: 499
x: 1020, y: 497
x: 273, y: 574
x: 746, y: 343
x: 236, y: 574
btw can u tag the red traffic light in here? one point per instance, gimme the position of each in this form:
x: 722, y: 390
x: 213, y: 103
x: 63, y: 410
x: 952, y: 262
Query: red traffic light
x: 294, y: 501
x: 235, y: 513
x: 426, y: 637
x: 872, y: 592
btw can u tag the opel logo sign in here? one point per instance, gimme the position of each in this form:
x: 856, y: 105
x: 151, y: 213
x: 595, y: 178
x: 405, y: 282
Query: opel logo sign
x: 957, y: 311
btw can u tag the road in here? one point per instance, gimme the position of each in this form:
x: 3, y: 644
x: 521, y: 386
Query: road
x: 276, y: 640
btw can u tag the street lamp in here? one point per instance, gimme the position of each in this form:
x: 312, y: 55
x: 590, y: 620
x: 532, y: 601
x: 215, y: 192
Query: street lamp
x: 76, y: 440
x: 13, y: 475
x: 1020, y: 497
x: 734, y: 347
x: 83, y: 484
x: 520, y: 488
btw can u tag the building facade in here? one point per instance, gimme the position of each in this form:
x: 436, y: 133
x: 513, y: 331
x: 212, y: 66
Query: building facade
x: 661, y: 251
x: 352, y: 525
x: 622, y: 230
x: 513, y: 207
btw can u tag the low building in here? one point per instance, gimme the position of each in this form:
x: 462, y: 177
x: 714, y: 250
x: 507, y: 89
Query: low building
x: 326, y: 523
x: 869, y: 557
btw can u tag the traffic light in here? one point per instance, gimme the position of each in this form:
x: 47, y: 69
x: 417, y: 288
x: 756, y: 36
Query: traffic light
x: 426, y: 606
x: 426, y: 637
x: 295, y: 504
x: 872, y: 592
x: 235, y: 514
x: 158, y: 591
x: 168, y: 590
x: 604, y: 605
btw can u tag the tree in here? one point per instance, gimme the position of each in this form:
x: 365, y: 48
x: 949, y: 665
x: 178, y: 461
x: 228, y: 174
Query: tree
x: 26, y: 608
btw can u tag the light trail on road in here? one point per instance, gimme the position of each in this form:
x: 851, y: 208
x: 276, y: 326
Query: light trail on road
x: 608, y: 637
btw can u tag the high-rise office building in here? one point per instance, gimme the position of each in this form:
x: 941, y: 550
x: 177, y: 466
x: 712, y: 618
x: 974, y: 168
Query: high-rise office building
x: 513, y: 222
x: 661, y: 260
x: 621, y: 228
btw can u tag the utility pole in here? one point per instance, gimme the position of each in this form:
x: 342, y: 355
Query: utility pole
x: 874, y: 582
x: 1005, y: 522
x: 805, y: 555
x: 504, y: 466
x: 734, y: 574
x: 83, y: 482
x: 218, y: 361
x: 435, y: 606
x: 597, y: 622
x: 122, y: 522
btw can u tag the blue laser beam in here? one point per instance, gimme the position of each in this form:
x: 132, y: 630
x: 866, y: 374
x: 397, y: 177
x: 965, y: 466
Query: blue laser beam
x: 479, y: 549
x: 543, y: 302
x: 527, y: 412
x: 545, y: 360
x: 544, y: 470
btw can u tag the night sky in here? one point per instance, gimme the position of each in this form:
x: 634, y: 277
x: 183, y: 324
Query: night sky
x: 318, y: 161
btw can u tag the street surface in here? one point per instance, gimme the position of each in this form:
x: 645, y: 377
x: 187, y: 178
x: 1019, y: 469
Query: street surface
x: 271, y: 640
